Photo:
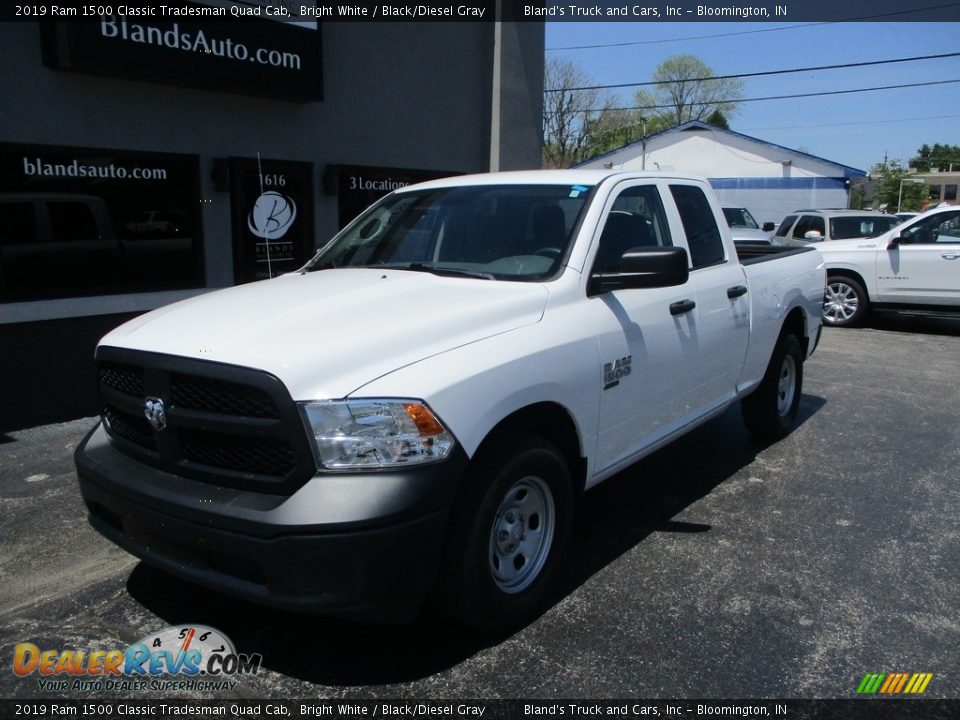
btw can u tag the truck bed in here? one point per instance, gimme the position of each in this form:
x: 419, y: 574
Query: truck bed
x: 753, y: 254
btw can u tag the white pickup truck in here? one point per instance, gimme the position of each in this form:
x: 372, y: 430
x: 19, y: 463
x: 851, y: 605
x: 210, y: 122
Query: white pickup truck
x: 414, y: 413
x: 913, y: 267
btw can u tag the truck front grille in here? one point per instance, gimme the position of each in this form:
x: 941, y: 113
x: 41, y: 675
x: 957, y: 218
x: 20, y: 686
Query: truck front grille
x: 224, y: 424
x: 126, y: 379
x: 129, y: 427
x: 264, y: 456
x: 217, y: 396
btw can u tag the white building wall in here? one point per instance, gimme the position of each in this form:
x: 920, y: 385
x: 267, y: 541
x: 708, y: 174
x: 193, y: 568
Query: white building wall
x: 769, y: 180
x: 774, y: 205
x: 714, y: 154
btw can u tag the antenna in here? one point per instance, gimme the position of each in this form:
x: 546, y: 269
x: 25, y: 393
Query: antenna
x: 266, y: 229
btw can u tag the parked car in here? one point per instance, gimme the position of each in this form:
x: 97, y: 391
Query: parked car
x: 913, y: 267
x: 904, y: 216
x: 744, y: 228
x: 417, y: 409
x: 803, y: 227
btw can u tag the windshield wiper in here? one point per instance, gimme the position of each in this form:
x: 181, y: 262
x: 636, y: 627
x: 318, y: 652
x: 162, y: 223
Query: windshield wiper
x: 328, y: 265
x: 454, y: 272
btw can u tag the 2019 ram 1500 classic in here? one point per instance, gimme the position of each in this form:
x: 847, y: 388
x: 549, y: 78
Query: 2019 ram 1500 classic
x: 913, y: 267
x: 415, y: 412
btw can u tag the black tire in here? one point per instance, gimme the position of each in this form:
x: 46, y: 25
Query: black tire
x: 845, y: 302
x: 512, y: 475
x: 771, y: 409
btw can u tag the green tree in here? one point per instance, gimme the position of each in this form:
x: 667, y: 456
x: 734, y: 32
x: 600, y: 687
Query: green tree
x: 617, y: 128
x: 582, y: 123
x: 857, y: 197
x: 889, y: 195
x: 718, y: 119
x: 569, y: 112
x: 938, y: 156
x: 687, y: 90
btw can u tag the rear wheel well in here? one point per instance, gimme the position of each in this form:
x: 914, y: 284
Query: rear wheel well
x: 551, y: 422
x: 846, y: 301
x: 796, y: 324
x: 852, y: 274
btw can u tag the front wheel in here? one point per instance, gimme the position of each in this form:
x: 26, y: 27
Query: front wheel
x: 771, y: 409
x: 508, y: 535
x: 845, y: 302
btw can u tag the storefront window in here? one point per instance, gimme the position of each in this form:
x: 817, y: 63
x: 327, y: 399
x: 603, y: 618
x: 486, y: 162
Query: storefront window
x: 81, y: 221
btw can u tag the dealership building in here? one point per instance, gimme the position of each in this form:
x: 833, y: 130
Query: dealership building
x: 147, y: 160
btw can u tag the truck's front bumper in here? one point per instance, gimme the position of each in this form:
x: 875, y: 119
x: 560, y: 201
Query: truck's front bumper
x: 360, y: 544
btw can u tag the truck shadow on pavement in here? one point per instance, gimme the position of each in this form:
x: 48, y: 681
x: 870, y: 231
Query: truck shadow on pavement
x: 644, y: 499
x: 917, y: 324
x: 611, y: 520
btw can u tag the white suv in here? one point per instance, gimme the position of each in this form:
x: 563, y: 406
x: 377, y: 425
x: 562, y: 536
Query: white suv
x: 803, y: 227
x: 914, y: 267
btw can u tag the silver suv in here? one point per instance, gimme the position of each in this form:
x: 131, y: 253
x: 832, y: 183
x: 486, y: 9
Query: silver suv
x: 803, y: 227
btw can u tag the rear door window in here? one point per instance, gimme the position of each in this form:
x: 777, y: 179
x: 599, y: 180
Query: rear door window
x: 703, y: 235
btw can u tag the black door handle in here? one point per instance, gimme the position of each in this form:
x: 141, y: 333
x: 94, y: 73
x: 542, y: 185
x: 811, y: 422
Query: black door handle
x: 682, y: 306
x: 736, y: 291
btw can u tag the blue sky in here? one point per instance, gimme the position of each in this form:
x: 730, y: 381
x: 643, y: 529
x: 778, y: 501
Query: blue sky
x: 855, y: 129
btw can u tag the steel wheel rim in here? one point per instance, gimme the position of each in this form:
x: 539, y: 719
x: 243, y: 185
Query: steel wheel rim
x: 786, y: 385
x: 521, y: 535
x: 840, y: 302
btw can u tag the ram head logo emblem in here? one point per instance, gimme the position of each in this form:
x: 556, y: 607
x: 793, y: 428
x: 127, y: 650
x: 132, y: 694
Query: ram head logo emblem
x: 155, y: 412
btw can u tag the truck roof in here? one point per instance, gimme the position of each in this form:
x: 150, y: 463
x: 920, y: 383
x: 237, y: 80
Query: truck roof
x: 542, y: 177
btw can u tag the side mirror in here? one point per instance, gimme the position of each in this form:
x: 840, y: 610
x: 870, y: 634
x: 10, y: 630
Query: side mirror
x: 897, y: 240
x: 813, y: 236
x: 768, y: 227
x: 644, y: 267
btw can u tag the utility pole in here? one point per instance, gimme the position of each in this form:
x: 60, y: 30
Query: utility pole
x: 495, y: 118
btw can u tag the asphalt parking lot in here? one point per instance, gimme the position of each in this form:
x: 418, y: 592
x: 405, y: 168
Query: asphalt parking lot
x: 720, y: 567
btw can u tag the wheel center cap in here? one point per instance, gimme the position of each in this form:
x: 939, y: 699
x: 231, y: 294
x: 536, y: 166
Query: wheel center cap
x: 512, y: 531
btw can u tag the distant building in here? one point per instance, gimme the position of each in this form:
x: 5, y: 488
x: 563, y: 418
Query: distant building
x: 768, y: 179
x: 941, y: 185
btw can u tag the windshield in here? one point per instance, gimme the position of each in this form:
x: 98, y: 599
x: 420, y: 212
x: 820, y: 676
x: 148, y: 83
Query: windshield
x: 503, y: 232
x: 740, y: 218
x: 862, y: 226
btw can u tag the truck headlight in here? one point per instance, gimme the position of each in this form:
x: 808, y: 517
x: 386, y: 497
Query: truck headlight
x: 375, y: 433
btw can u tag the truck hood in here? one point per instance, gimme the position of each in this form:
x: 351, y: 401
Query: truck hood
x: 327, y: 333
